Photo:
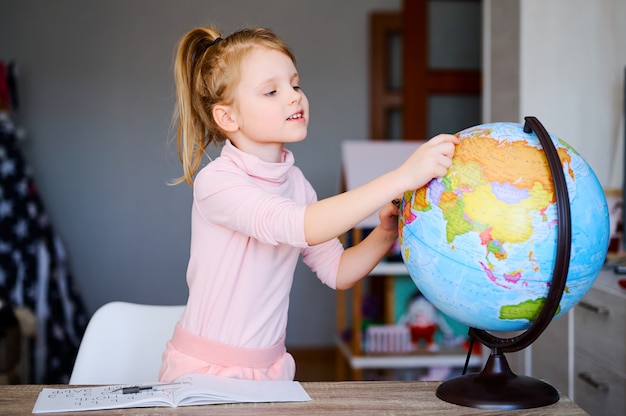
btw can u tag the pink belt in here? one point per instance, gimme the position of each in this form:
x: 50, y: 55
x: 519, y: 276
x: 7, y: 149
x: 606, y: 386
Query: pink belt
x: 213, y: 352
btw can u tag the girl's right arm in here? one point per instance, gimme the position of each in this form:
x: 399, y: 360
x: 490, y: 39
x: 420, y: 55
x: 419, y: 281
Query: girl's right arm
x: 331, y: 217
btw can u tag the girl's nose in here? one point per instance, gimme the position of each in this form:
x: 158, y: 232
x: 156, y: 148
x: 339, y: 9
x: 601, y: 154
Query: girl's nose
x: 295, y: 97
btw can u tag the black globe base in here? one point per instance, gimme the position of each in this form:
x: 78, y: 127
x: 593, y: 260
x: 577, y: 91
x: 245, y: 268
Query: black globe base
x: 496, y: 387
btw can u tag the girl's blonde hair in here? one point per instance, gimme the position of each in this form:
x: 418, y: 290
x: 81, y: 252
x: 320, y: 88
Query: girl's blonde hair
x: 206, y: 72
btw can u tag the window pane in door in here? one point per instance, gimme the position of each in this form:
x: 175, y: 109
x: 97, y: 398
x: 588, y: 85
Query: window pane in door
x: 394, y: 70
x: 393, y: 124
x: 454, y: 38
x: 452, y: 113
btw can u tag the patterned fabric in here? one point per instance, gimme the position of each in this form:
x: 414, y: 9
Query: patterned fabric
x: 34, y: 270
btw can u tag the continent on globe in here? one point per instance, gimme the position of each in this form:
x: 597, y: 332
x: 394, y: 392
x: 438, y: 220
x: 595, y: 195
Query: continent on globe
x: 480, y: 242
x: 529, y: 309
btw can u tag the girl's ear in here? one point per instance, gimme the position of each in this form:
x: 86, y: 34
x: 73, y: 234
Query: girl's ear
x: 222, y: 116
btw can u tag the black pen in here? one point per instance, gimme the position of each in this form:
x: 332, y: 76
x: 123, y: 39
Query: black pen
x: 140, y: 388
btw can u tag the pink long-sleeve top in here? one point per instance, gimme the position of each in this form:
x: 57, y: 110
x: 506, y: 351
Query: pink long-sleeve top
x: 247, y: 235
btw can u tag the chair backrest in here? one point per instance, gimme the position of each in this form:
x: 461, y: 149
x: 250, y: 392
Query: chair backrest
x: 124, y: 343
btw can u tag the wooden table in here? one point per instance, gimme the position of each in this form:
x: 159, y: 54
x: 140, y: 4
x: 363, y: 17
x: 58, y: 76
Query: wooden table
x: 329, y: 398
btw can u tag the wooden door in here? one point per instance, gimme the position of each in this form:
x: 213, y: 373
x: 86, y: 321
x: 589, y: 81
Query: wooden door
x: 435, y: 82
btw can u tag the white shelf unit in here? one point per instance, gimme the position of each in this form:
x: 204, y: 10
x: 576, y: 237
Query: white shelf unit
x: 373, y: 362
x: 356, y: 360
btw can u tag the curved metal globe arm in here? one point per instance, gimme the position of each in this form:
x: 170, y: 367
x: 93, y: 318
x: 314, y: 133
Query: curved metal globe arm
x: 561, y: 266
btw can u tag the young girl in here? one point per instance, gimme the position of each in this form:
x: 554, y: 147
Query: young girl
x: 253, y: 211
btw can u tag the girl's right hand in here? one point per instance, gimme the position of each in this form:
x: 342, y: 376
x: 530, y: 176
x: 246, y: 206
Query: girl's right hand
x: 331, y: 217
x: 430, y: 160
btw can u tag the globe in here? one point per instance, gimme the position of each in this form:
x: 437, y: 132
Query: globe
x: 480, y: 243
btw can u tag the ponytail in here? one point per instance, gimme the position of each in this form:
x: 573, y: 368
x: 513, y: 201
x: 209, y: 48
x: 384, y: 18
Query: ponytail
x: 193, y: 134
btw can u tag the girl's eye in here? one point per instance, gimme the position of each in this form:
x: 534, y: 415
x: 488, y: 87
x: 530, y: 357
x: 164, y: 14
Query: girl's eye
x: 297, y: 88
x: 271, y: 93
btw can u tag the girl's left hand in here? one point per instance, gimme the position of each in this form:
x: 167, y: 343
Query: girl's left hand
x: 388, y: 215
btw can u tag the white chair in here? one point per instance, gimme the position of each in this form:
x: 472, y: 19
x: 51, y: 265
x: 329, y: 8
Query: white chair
x: 124, y: 343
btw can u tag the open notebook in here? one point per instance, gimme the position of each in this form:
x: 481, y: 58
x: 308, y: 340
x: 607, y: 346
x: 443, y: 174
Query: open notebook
x: 191, y: 390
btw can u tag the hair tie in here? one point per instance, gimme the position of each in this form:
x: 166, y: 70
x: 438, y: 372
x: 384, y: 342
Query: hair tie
x: 216, y: 41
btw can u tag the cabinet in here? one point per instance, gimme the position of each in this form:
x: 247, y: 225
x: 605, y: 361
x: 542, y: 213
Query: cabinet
x: 584, y: 353
x: 600, y: 348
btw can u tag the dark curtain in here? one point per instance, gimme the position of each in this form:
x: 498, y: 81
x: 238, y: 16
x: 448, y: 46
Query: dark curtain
x: 34, y: 269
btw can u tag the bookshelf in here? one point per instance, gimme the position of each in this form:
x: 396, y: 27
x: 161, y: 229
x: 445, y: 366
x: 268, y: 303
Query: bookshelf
x: 358, y: 364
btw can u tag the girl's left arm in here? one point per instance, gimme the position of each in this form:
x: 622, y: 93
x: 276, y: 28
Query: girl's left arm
x: 359, y: 260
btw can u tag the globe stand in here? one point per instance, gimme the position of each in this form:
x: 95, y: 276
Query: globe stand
x: 496, y: 387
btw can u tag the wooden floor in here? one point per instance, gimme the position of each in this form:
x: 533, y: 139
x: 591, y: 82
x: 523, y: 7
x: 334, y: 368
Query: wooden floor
x: 315, y: 364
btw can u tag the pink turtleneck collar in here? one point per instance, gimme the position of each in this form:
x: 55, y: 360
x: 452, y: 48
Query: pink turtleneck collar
x: 255, y: 166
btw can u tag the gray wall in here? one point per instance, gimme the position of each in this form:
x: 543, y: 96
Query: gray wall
x: 97, y: 96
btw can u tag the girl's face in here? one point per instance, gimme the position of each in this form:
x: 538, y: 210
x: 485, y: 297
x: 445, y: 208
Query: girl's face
x: 269, y: 107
